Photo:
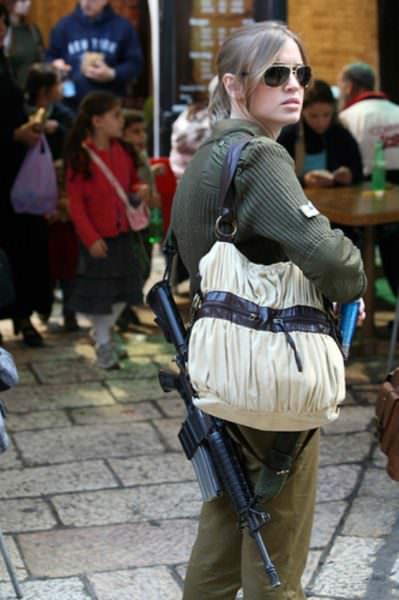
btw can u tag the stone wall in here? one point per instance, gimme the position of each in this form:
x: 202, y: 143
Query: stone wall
x: 336, y: 33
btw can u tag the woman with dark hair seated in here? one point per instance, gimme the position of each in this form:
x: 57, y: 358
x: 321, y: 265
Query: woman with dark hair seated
x: 325, y: 152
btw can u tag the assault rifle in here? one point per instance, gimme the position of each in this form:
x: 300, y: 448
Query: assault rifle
x: 205, y: 439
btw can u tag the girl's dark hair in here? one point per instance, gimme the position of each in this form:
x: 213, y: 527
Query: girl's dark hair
x: 5, y: 15
x: 131, y: 116
x: 40, y: 75
x: 94, y: 104
x: 318, y: 91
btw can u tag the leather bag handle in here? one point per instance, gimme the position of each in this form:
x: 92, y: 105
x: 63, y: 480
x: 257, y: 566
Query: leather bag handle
x: 226, y: 225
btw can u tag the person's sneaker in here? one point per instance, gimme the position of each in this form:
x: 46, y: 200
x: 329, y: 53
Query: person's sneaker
x: 107, y: 358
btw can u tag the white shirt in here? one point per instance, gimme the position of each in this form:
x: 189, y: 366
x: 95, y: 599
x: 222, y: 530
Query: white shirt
x: 370, y: 120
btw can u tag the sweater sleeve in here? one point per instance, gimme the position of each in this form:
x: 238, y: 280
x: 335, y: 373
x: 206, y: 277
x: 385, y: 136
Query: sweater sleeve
x: 271, y: 201
x: 77, y: 211
x: 130, y: 65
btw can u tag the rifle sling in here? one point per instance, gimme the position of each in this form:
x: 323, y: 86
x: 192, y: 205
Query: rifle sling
x: 284, y: 442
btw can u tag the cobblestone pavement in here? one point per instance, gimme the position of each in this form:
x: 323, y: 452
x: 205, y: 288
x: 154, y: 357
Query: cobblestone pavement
x: 98, y: 502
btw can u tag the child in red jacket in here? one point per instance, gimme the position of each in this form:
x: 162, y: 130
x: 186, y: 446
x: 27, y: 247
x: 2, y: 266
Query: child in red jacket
x: 108, y: 273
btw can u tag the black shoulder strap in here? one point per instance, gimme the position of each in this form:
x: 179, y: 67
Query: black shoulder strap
x: 226, y: 223
x: 226, y: 196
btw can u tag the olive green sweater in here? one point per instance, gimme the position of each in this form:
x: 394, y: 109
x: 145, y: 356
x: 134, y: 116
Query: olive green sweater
x: 272, y: 226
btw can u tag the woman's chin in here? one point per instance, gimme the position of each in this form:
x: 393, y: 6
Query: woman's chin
x: 291, y: 119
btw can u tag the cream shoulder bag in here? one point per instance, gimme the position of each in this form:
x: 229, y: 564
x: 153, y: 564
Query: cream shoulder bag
x: 263, y: 349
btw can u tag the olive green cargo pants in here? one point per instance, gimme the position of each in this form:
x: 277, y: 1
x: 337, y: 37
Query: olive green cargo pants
x: 225, y: 558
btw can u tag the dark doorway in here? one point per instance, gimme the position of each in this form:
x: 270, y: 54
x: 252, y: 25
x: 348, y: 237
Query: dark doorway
x: 388, y: 35
x: 270, y: 10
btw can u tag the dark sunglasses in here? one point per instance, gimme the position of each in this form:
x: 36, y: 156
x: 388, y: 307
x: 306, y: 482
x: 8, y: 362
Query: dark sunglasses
x: 277, y: 75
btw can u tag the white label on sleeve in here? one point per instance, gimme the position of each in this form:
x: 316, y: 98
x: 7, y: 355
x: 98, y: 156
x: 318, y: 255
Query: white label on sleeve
x: 309, y: 210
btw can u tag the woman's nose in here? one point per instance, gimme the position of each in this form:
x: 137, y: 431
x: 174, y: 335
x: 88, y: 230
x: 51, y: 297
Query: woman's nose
x: 292, y: 82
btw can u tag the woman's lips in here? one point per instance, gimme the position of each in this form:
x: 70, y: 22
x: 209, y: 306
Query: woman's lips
x: 293, y: 101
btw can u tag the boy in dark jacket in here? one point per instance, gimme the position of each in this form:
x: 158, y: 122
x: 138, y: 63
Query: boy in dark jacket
x: 96, y: 49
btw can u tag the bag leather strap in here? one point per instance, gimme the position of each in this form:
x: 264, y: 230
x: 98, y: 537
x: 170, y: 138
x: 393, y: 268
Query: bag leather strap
x: 226, y: 224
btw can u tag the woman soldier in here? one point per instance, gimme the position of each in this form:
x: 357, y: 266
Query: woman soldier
x: 262, y: 72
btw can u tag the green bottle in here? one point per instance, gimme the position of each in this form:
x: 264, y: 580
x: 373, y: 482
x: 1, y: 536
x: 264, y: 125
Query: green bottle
x: 155, y: 235
x: 378, y: 174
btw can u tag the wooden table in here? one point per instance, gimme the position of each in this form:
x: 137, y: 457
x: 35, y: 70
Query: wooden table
x: 357, y: 206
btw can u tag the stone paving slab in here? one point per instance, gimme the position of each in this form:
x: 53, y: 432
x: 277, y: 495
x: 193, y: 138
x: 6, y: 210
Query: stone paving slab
x: 66, y: 371
x: 352, y: 418
x: 155, y: 583
x: 337, y: 482
x: 54, y: 348
x: 172, y: 406
x: 379, y: 458
x: 165, y: 361
x: 139, y: 411
x: 377, y: 483
x: 311, y: 566
x: 60, y: 553
x: 26, y: 515
x: 44, y: 419
x: 169, y: 467
x: 85, y: 442
x: 340, y: 449
x: 148, y: 348
x: 43, y: 481
x: 16, y: 560
x: 363, y: 370
x: 348, y: 569
x: 327, y: 517
x: 139, y: 367
x: 10, y: 459
x: 384, y: 516
x: 55, y: 589
x: 26, y: 376
x: 366, y: 393
x: 149, y: 503
x: 127, y: 391
x: 53, y: 397
x: 168, y: 430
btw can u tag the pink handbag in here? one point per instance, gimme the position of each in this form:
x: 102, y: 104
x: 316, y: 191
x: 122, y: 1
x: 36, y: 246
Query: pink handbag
x: 138, y: 216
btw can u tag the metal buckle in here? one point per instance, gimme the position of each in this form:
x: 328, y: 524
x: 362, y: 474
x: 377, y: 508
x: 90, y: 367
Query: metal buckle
x: 221, y: 235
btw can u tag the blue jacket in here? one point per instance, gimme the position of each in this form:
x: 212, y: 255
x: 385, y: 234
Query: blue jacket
x: 107, y: 33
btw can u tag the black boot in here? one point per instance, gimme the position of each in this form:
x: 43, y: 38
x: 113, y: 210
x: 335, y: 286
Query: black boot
x: 30, y: 336
x: 70, y: 321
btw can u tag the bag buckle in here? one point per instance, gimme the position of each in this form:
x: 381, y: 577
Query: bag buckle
x: 224, y: 236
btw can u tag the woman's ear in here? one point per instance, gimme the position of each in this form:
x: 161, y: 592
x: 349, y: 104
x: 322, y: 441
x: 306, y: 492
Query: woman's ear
x: 233, y: 86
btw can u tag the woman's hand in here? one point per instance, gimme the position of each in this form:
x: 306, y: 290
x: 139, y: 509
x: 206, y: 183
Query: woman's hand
x: 144, y: 193
x: 158, y: 169
x: 343, y: 175
x: 317, y: 179
x: 362, y: 312
x: 99, y: 249
x: 61, y: 65
x: 27, y: 134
